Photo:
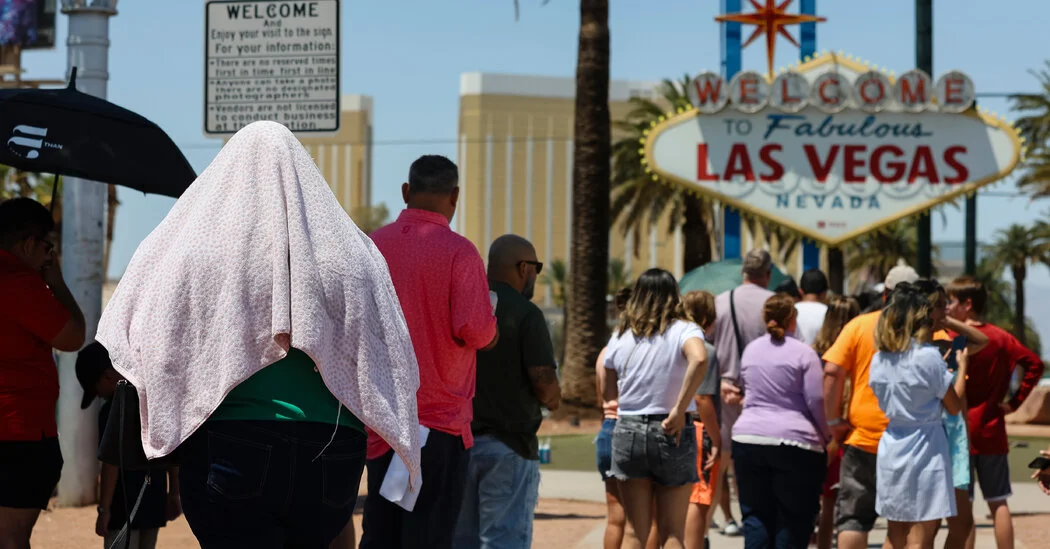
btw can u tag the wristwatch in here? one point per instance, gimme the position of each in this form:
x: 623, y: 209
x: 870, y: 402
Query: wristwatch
x: 834, y: 422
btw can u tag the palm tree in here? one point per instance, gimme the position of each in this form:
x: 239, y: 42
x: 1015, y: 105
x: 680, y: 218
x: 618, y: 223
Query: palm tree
x: 639, y: 202
x: 591, y: 171
x: 555, y: 277
x: 782, y: 241
x: 871, y: 256
x: 999, y: 309
x: 1034, y: 127
x: 111, y: 219
x: 1014, y: 248
x: 370, y: 218
x: 589, y: 260
x: 1035, y: 172
x: 618, y: 276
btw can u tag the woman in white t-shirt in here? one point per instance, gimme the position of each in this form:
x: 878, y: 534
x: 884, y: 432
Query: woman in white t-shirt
x: 654, y: 364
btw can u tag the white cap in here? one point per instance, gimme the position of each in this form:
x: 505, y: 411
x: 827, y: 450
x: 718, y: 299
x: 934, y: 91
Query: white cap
x: 901, y: 273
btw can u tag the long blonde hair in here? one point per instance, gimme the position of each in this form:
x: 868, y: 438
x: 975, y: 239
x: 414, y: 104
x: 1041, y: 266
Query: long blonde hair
x: 841, y: 310
x: 654, y: 305
x: 905, y: 318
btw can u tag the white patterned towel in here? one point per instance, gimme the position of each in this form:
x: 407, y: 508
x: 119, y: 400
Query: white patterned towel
x: 256, y: 257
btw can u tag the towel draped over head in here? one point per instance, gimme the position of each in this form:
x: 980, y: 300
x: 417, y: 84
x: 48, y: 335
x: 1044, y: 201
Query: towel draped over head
x: 257, y: 257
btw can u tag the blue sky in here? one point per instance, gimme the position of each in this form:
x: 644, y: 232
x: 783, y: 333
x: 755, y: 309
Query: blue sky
x: 408, y: 55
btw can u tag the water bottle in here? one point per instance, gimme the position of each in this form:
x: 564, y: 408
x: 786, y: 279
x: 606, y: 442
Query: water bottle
x: 545, y: 451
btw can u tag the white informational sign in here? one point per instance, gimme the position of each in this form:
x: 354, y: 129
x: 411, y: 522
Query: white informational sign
x: 271, y: 60
x: 836, y: 153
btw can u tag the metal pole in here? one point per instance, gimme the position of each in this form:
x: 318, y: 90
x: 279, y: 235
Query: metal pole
x: 971, y: 235
x: 82, y: 242
x: 924, y: 61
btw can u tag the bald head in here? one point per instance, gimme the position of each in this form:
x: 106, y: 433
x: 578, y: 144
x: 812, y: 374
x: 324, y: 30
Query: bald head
x: 512, y: 260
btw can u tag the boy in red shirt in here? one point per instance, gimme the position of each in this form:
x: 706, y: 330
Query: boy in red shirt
x: 37, y: 313
x: 987, y: 386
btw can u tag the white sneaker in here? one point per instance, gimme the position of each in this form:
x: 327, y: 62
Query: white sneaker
x: 732, y: 529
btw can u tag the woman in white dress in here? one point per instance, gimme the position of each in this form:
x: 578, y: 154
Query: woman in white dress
x: 914, y: 488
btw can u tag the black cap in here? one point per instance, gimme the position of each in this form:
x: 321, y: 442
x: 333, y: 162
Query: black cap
x: 92, y: 362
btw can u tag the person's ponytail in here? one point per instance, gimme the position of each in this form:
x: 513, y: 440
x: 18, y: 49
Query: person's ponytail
x: 775, y: 330
x: 778, y: 313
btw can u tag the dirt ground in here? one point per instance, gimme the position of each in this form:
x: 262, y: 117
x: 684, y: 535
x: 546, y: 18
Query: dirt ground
x: 1032, y: 530
x: 558, y: 524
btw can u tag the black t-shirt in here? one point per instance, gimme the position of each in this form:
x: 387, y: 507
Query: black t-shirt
x: 154, y: 501
x: 505, y: 405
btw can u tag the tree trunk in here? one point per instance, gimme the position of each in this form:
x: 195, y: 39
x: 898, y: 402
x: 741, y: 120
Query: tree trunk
x: 696, y: 234
x: 592, y: 149
x: 1019, y: 315
x: 836, y: 271
x: 111, y: 218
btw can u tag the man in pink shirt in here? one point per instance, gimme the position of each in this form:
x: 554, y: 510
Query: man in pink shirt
x: 441, y: 282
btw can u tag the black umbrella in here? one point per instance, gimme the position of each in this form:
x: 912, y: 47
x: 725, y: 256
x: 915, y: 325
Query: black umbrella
x: 67, y: 132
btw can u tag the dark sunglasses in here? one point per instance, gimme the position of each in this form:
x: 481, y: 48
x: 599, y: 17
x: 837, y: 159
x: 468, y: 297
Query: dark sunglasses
x: 537, y: 264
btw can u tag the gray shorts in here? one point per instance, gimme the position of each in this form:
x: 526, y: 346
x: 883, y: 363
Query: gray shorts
x: 730, y: 413
x: 855, y: 504
x: 641, y: 450
x: 993, y: 472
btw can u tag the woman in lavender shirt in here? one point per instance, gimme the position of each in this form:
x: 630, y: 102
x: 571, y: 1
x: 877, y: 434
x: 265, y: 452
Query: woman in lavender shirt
x: 779, y: 440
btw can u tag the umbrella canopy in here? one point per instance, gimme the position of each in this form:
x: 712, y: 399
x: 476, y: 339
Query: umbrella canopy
x: 67, y: 132
x: 721, y: 276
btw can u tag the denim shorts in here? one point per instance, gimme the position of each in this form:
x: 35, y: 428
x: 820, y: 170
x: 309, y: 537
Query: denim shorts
x: 641, y: 450
x: 603, y: 448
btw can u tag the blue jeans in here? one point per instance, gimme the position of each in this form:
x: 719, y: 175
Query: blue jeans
x: 499, y: 498
x: 603, y: 448
x: 257, y: 483
x: 780, y: 489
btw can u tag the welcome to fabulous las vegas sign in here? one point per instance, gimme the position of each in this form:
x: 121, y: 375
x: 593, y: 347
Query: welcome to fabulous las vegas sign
x: 831, y: 148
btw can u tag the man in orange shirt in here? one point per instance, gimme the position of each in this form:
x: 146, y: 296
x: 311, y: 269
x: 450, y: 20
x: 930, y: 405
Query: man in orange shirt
x: 851, y: 355
x: 38, y: 313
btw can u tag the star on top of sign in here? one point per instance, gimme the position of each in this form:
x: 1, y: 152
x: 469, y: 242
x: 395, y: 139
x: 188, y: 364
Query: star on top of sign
x: 770, y: 20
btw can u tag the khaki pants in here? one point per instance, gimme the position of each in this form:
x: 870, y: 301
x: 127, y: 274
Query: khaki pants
x: 140, y: 539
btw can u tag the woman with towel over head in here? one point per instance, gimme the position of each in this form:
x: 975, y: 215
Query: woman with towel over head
x: 262, y: 333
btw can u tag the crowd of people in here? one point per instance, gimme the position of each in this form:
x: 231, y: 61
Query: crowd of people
x: 829, y: 418
x: 277, y: 352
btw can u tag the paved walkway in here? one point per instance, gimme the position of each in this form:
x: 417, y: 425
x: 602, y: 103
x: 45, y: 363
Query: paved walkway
x: 586, y: 486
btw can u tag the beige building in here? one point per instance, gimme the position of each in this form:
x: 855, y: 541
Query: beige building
x: 345, y: 159
x: 515, y: 160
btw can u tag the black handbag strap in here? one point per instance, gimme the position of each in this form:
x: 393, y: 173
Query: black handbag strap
x: 122, y: 538
x: 736, y: 327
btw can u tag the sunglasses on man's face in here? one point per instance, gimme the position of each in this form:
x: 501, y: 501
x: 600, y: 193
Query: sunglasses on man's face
x: 537, y: 264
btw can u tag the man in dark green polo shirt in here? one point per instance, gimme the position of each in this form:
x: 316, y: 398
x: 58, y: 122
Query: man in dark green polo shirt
x: 514, y: 380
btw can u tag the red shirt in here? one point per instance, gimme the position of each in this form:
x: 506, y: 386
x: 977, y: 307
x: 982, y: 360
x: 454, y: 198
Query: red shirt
x: 444, y: 293
x: 30, y: 317
x: 987, y: 383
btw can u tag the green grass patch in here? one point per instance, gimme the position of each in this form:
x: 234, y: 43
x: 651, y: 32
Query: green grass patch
x: 1021, y: 457
x: 572, y: 453
x: 576, y: 453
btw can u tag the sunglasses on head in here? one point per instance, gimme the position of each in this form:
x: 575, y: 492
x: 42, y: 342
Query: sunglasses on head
x: 537, y: 264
